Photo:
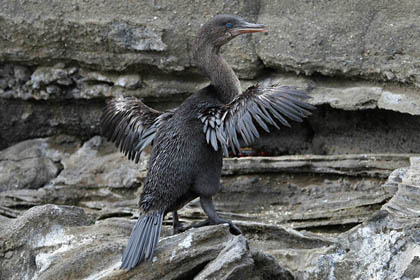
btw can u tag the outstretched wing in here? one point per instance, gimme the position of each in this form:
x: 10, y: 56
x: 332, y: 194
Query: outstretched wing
x: 223, y: 125
x: 131, y: 125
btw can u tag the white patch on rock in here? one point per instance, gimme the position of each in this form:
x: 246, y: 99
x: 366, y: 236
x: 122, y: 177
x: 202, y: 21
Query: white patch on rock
x: 55, y: 236
x: 129, y: 81
x: 104, y: 272
x: 173, y: 255
x: 52, y: 244
x: 378, y: 251
x: 328, y: 261
x: 391, y: 98
x: 405, y: 102
x: 44, y: 260
x: 186, y: 243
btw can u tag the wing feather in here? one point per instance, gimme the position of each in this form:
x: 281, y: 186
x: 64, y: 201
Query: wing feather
x: 131, y: 125
x: 257, y: 107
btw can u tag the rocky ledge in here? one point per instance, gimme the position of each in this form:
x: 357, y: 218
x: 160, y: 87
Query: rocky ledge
x: 338, y: 198
x: 61, y: 242
x: 53, y: 241
x: 303, y: 217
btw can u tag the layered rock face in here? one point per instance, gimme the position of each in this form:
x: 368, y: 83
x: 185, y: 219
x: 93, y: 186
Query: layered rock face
x: 334, y: 197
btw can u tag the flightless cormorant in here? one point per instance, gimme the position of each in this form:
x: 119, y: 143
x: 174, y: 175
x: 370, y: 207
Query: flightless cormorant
x: 189, y: 141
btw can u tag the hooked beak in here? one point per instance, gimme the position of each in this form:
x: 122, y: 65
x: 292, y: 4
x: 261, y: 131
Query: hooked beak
x: 247, y: 27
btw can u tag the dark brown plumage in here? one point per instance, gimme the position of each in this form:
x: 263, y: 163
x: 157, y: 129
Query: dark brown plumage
x: 189, y: 141
x: 131, y: 125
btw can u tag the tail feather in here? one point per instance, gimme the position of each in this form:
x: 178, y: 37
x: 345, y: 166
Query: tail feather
x: 143, y: 240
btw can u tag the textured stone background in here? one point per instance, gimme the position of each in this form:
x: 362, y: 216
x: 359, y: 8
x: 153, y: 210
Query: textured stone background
x: 338, y: 199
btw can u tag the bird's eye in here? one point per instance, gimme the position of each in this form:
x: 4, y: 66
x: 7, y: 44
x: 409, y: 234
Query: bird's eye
x: 229, y: 25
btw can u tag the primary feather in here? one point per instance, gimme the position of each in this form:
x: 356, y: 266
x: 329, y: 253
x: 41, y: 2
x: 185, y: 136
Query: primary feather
x: 255, y: 107
x: 131, y: 125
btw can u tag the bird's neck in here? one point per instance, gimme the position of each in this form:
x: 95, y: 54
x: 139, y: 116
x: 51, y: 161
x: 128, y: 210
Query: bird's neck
x: 221, y: 74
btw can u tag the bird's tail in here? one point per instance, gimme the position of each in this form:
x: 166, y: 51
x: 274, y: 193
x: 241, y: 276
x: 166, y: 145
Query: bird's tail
x: 143, y: 240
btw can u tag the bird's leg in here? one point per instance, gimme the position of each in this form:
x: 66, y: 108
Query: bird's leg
x: 213, y: 218
x: 179, y: 228
x: 177, y: 225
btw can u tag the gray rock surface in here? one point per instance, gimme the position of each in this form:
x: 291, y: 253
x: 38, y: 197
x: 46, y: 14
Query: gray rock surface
x: 87, y: 175
x: 233, y: 262
x: 386, y: 246
x: 352, y: 39
x: 57, y: 83
x: 306, y: 191
x: 112, y: 36
x: 405, y: 204
x: 355, y: 38
x: 108, y: 167
x: 24, y: 241
x: 277, y: 189
x: 67, y: 99
x: 61, y: 242
x: 339, y: 199
x: 334, y: 202
x: 34, y: 161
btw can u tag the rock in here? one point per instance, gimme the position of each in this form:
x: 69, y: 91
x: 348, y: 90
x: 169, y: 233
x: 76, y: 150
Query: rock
x: 406, y: 102
x: 181, y: 256
x: 69, y: 245
x: 325, y: 193
x: 405, y: 204
x: 13, y: 75
x: 29, y: 165
x: 40, y: 119
x: 46, y: 75
x: 136, y: 38
x: 331, y: 44
x: 380, y: 165
x: 129, y: 81
x: 22, y: 74
x: 4, y: 221
x: 67, y: 99
x: 233, y: 262
x: 394, y: 179
x: 353, y: 98
x: 348, y: 212
x: 86, y: 176
x: 157, y: 37
x: 91, y: 176
x: 100, y: 202
x: 333, y: 38
x: 42, y: 228
x: 101, y: 158
x: 334, y: 201
x: 369, y: 131
x: 413, y: 269
x: 386, y: 246
x: 349, y: 67
x: 267, y: 267
x: 373, y: 250
x: 349, y: 95
x: 36, y: 172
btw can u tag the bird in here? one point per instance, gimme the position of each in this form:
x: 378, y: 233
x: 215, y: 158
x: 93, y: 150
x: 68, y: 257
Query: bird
x: 189, y: 142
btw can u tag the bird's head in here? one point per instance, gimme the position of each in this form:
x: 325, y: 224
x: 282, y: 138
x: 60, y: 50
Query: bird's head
x: 223, y: 28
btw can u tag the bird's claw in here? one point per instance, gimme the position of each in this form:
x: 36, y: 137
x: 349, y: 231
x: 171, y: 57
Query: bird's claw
x: 234, y: 229
x: 179, y: 228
